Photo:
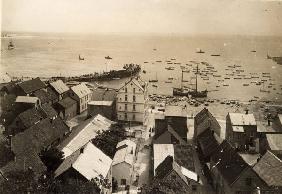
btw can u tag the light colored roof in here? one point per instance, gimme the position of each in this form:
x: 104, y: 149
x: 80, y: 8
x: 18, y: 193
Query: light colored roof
x: 84, y: 133
x: 269, y: 168
x: 101, y: 103
x: 251, y: 159
x: 59, y: 86
x: 238, y: 129
x: 189, y: 174
x: 242, y: 119
x: 176, y: 111
x: 26, y: 99
x: 81, y: 90
x: 125, y: 152
x: 91, y: 163
x: 280, y: 118
x: 135, y: 82
x: 274, y: 141
x: 161, y: 151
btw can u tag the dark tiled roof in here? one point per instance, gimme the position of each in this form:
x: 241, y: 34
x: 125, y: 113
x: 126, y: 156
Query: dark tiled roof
x: 44, y: 96
x: 269, y: 168
x: 207, y: 143
x: 206, y: 118
x: 228, y: 162
x: 104, y: 95
x: 52, y: 95
x: 179, y: 124
x: 160, y: 127
x: 30, y: 117
x: 48, y: 111
x: 183, y: 155
x: 67, y: 102
x: 32, y: 85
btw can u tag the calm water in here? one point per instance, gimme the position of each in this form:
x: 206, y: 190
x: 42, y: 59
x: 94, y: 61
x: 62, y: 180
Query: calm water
x: 51, y: 55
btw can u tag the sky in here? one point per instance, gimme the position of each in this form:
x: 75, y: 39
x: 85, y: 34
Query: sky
x: 254, y: 17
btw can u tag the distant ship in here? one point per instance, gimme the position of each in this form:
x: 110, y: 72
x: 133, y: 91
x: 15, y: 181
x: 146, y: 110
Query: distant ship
x: 253, y: 51
x: 154, y: 80
x: 108, y: 57
x: 200, y: 51
x: 215, y: 55
x: 11, y: 46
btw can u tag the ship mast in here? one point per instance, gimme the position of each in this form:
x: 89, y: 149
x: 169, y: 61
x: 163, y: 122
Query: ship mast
x: 181, y: 79
x: 197, y: 78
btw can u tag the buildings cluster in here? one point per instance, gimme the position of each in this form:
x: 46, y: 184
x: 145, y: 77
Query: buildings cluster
x: 188, y: 154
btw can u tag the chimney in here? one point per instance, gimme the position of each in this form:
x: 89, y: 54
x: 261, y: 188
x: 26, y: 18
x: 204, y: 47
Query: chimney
x: 81, y: 150
x: 268, y: 122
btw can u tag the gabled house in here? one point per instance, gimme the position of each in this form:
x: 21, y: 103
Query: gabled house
x: 82, y: 95
x: 27, y: 145
x: 60, y: 88
x: 104, y: 108
x: 241, y: 131
x: 46, y: 96
x: 131, y: 101
x: 66, y: 108
x: 203, y: 121
x: 231, y: 174
x: 28, y: 101
x: 83, y: 133
x: 27, y: 88
x: 88, y: 163
x: 123, y: 162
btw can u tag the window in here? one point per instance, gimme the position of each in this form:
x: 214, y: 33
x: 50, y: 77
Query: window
x: 133, y: 90
x: 134, y: 98
x: 125, y: 115
x: 134, y: 107
x: 123, y: 181
x: 133, y: 117
x: 125, y: 107
x: 125, y: 97
x: 248, y: 181
x: 125, y: 89
x: 194, y: 187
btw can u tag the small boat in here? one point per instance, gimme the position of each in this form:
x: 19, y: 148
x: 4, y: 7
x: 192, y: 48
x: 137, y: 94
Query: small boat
x: 154, y: 85
x: 173, y: 59
x: 215, y: 55
x: 146, y: 62
x: 11, y: 46
x: 225, y: 84
x: 108, y: 57
x: 170, y: 78
x: 200, y: 51
x: 154, y: 80
x: 154, y: 49
x: 168, y: 82
x: 144, y: 71
x: 253, y: 51
x: 245, y: 84
x: 158, y: 61
x: 169, y: 68
x: 80, y: 58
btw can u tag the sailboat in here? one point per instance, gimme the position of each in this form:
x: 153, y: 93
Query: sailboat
x: 195, y: 93
x: 180, y: 91
x: 11, y: 46
x: 200, y: 51
x: 154, y: 80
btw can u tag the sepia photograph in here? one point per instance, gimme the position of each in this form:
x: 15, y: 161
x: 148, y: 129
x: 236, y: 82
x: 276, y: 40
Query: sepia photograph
x: 141, y: 97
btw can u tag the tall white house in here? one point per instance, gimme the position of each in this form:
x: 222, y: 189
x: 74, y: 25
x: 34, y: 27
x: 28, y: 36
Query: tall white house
x: 131, y: 101
x: 82, y: 94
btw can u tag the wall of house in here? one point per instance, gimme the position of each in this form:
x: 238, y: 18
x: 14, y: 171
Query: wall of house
x: 122, y: 171
x: 131, y: 116
x: 109, y: 178
x: 81, y: 102
x: 70, y: 112
x: 106, y: 111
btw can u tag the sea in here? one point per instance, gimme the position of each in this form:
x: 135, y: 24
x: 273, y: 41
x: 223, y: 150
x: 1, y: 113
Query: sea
x: 50, y: 54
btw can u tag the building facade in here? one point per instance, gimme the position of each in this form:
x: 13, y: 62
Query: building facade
x: 82, y: 95
x: 131, y: 101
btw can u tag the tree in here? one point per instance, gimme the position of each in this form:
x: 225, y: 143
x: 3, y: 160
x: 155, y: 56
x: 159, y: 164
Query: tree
x: 52, y: 158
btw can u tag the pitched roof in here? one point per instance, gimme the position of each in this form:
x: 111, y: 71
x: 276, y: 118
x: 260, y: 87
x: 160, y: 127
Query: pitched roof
x: 269, y: 168
x: 179, y: 124
x: 48, y: 111
x: 45, y: 96
x: 184, y: 156
x: 207, y: 121
x: 67, y: 102
x: 104, y: 94
x: 81, y: 90
x: 90, y: 163
x: 101, y: 103
x: 26, y: 99
x: 59, y: 86
x: 30, y: 117
x: 84, y: 132
x: 31, y: 85
x: 228, y: 162
x: 125, y: 152
x: 161, y: 151
x: 242, y: 119
x: 274, y: 141
x: 207, y: 143
x: 136, y: 82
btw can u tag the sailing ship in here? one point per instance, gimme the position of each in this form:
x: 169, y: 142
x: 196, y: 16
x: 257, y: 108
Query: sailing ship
x: 11, y: 46
x: 108, y: 57
x: 200, y: 51
x: 193, y: 92
x: 154, y: 80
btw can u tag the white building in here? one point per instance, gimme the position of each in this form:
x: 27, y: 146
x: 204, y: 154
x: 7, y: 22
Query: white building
x: 131, y: 101
x: 123, y: 162
x: 82, y: 94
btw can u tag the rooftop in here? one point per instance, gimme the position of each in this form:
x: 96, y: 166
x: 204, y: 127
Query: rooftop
x: 125, y: 152
x: 81, y: 90
x: 207, y: 143
x: 274, y: 141
x: 31, y: 85
x: 104, y: 94
x: 100, y: 103
x: 269, y: 168
x: 242, y: 119
x: 26, y: 99
x: 79, y: 160
x: 83, y: 133
x: 175, y: 111
x: 66, y: 102
x: 161, y: 151
x: 59, y: 86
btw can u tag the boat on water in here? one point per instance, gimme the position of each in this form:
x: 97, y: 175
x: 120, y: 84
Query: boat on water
x: 108, y: 57
x: 154, y: 85
x: 169, y: 68
x: 80, y: 58
x: 154, y: 80
x: 11, y: 45
x: 253, y: 51
x: 246, y: 84
x: 146, y: 62
x: 168, y: 82
x: 158, y: 61
x: 215, y: 55
x: 225, y: 84
x: 200, y: 51
x: 170, y: 78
